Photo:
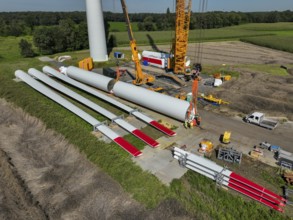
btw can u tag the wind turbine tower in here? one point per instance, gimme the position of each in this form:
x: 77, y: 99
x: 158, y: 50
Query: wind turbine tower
x: 96, y: 30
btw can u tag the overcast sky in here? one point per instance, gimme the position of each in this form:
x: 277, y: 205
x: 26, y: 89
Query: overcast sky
x: 156, y: 6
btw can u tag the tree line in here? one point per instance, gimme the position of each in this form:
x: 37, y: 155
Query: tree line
x: 207, y: 20
x: 66, y: 31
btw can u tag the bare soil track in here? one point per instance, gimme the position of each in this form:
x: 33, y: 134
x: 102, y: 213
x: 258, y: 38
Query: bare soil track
x: 44, y: 177
x: 236, y: 52
x: 253, y: 90
x: 259, y: 92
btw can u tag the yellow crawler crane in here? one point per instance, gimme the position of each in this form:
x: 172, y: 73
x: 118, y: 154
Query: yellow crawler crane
x: 140, y: 77
x: 183, y: 11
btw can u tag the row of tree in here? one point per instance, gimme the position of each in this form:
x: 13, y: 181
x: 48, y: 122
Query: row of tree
x: 67, y: 31
x: 24, y: 23
x: 216, y: 19
x: 67, y: 36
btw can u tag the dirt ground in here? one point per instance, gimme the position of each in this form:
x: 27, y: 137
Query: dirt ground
x: 236, y: 52
x: 44, y: 177
x: 253, y: 91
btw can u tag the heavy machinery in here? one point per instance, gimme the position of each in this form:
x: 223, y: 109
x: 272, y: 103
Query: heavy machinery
x: 192, y: 117
x: 183, y: 11
x: 86, y: 64
x: 176, y: 60
x: 226, y: 137
x: 140, y: 77
x: 206, y: 147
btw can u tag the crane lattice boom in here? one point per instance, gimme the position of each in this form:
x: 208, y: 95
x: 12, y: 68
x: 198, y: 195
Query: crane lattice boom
x: 183, y: 11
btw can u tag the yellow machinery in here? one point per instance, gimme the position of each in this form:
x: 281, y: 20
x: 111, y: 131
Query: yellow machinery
x: 86, y: 64
x: 206, y: 147
x: 226, y: 137
x: 223, y: 78
x: 211, y: 98
x: 183, y: 11
x: 157, y: 89
x: 140, y: 77
x: 182, y: 95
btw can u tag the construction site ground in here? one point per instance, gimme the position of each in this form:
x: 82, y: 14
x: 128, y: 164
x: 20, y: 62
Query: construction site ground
x: 40, y: 184
x: 253, y: 90
x: 244, y: 137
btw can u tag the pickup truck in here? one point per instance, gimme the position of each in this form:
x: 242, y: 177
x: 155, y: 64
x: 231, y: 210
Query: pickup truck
x: 268, y: 146
x: 259, y: 119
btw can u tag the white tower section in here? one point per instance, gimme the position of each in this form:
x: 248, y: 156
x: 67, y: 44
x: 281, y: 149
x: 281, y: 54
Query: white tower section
x: 96, y: 30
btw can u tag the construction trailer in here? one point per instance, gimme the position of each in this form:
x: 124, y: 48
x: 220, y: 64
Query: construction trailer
x: 157, y: 59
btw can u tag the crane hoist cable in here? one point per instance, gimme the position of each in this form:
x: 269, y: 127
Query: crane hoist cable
x: 172, y: 32
x: 202, y: 26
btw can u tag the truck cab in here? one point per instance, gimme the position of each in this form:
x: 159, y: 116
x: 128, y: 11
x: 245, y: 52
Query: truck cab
x: 254, y: 118
x: 259, y: 119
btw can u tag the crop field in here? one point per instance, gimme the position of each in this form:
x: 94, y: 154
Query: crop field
x: 160, y: 37
x: 277, y: 36
x: 284, y: 43
x: 197, y: 194
x: 271, y: 27
x: 121, y: 27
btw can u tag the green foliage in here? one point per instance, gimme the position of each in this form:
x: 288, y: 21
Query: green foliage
x: 47, y: 39
x: 147, y: 24
x: 26, y: 49
x: 64, y: 37
x: 112, y: 42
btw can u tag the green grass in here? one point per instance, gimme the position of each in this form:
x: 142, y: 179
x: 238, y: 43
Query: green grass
x: 121, y: 26
x: 197, y: 193
x: 201, y: 195
x: 272, y: 69
x: 277, y: 36
x: 9, y: 49
x: 284, y: 43
x: 163, y: 37
x: 281, y: 26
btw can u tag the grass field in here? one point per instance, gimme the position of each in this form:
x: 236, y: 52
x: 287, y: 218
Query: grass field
x: 278, y: 36
x: 121, y: 26
x: 163, y: 37
x: 197, y: 193
x: 284, y: 43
